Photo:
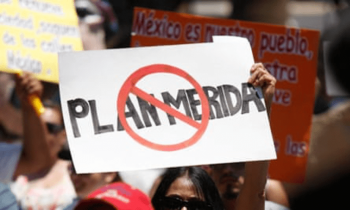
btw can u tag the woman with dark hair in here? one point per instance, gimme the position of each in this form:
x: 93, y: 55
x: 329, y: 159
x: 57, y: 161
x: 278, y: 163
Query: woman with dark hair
x: 192, y: 187
x: 187, y: 186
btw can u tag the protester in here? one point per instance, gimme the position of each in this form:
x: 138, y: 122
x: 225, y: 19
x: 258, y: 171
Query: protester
x: 229, y: 179
x: 193, y: 187
x: 85, y: 184
x: 29, y: 159
x: 97, y: 23
x: 41, y: 180
x: 10, y: 117
x: 329, y: 174
x: 116, y: 196
x: 186, y: 186
x: 38, y: 179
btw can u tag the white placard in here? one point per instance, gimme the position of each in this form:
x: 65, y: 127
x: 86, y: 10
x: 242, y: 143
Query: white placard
x: 92, y: 83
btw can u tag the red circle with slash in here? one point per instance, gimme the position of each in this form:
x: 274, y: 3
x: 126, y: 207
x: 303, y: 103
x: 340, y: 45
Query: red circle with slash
x: 129, y: 86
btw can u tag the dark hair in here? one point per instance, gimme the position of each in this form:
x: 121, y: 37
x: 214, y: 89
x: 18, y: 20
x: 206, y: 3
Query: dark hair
x: 200, y: 179
x: 338, y: 53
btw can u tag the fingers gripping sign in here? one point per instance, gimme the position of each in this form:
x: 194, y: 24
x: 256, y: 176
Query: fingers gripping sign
x: 29, y: 89
x: 261, y: 77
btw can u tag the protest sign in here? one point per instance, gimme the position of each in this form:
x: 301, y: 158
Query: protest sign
x: 289, y: 54
x: 156, y: 107
x: 32, y: 32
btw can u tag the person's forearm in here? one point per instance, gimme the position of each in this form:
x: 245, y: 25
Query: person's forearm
x: 252, y: 195
x: 35, y: 155
x: 11, y: 119
x: 34, y: 134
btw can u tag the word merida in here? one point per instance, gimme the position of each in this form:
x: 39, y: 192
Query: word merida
x: 220, y: 98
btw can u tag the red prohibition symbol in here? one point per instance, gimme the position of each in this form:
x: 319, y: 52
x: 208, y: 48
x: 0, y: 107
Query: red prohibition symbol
x: 129, y: 86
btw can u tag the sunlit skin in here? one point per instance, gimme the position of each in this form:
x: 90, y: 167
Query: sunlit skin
x: 84, y: 184
x: 55, y: 141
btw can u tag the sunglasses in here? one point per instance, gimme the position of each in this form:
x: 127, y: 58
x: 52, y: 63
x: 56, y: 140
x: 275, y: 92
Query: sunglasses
x: 83, y: 12
x: 174, y: 203
x: 54, y: 128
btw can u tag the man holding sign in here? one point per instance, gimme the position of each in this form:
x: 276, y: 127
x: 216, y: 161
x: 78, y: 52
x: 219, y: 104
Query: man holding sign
x: 194, y: 189
x: 161, y: 94
x: 228, y: 104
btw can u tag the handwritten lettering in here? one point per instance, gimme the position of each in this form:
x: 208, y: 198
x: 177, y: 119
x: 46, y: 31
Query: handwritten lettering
x: 282, y: 97
x: 43, y: 7
x: 16, y: 61
x: 288, y: 43
x: 277, y: 145
x: 193, y: 32
x: 282, y: 72
x: 8, y: 39
x: 224, y: 101
x: 16, y: 21
x: 150, y: 26
x: 57, y: 29
x: 54, y: 46
x: 27, y: 42
x: 295, y: 148
x: 235, y: 30
x: 5, y: 1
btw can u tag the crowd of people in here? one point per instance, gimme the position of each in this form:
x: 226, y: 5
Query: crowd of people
x: 37, y: 172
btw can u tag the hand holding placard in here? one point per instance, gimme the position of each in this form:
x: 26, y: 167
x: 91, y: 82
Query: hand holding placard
x: 261, y: 77
x: 228, y: 135
x: 28, y: 86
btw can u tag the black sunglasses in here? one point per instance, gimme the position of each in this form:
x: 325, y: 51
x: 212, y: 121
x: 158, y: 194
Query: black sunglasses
x: 83, y: 12
x: 174, y: 203
x: 54, y: 128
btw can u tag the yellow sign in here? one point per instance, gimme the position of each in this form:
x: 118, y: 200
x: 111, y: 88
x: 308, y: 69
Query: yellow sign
x: 32, y: 32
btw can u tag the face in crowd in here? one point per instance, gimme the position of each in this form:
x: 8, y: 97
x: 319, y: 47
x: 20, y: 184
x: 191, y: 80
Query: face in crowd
x: 182, y: 193
x: 228, y: 178
x: 84, y: 184
x: 186, y: 189
x: 55, y: 134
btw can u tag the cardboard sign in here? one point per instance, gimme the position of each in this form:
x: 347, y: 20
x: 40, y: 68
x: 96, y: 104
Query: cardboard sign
x: 289, y: 54
x: 157, y: 107
x: 33, y: 31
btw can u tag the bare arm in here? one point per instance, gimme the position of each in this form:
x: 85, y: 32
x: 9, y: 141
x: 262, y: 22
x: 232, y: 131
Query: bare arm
x: 252, y: 195
x: 10, y: 117
x: 276, y: 192
x: 35, y: 155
